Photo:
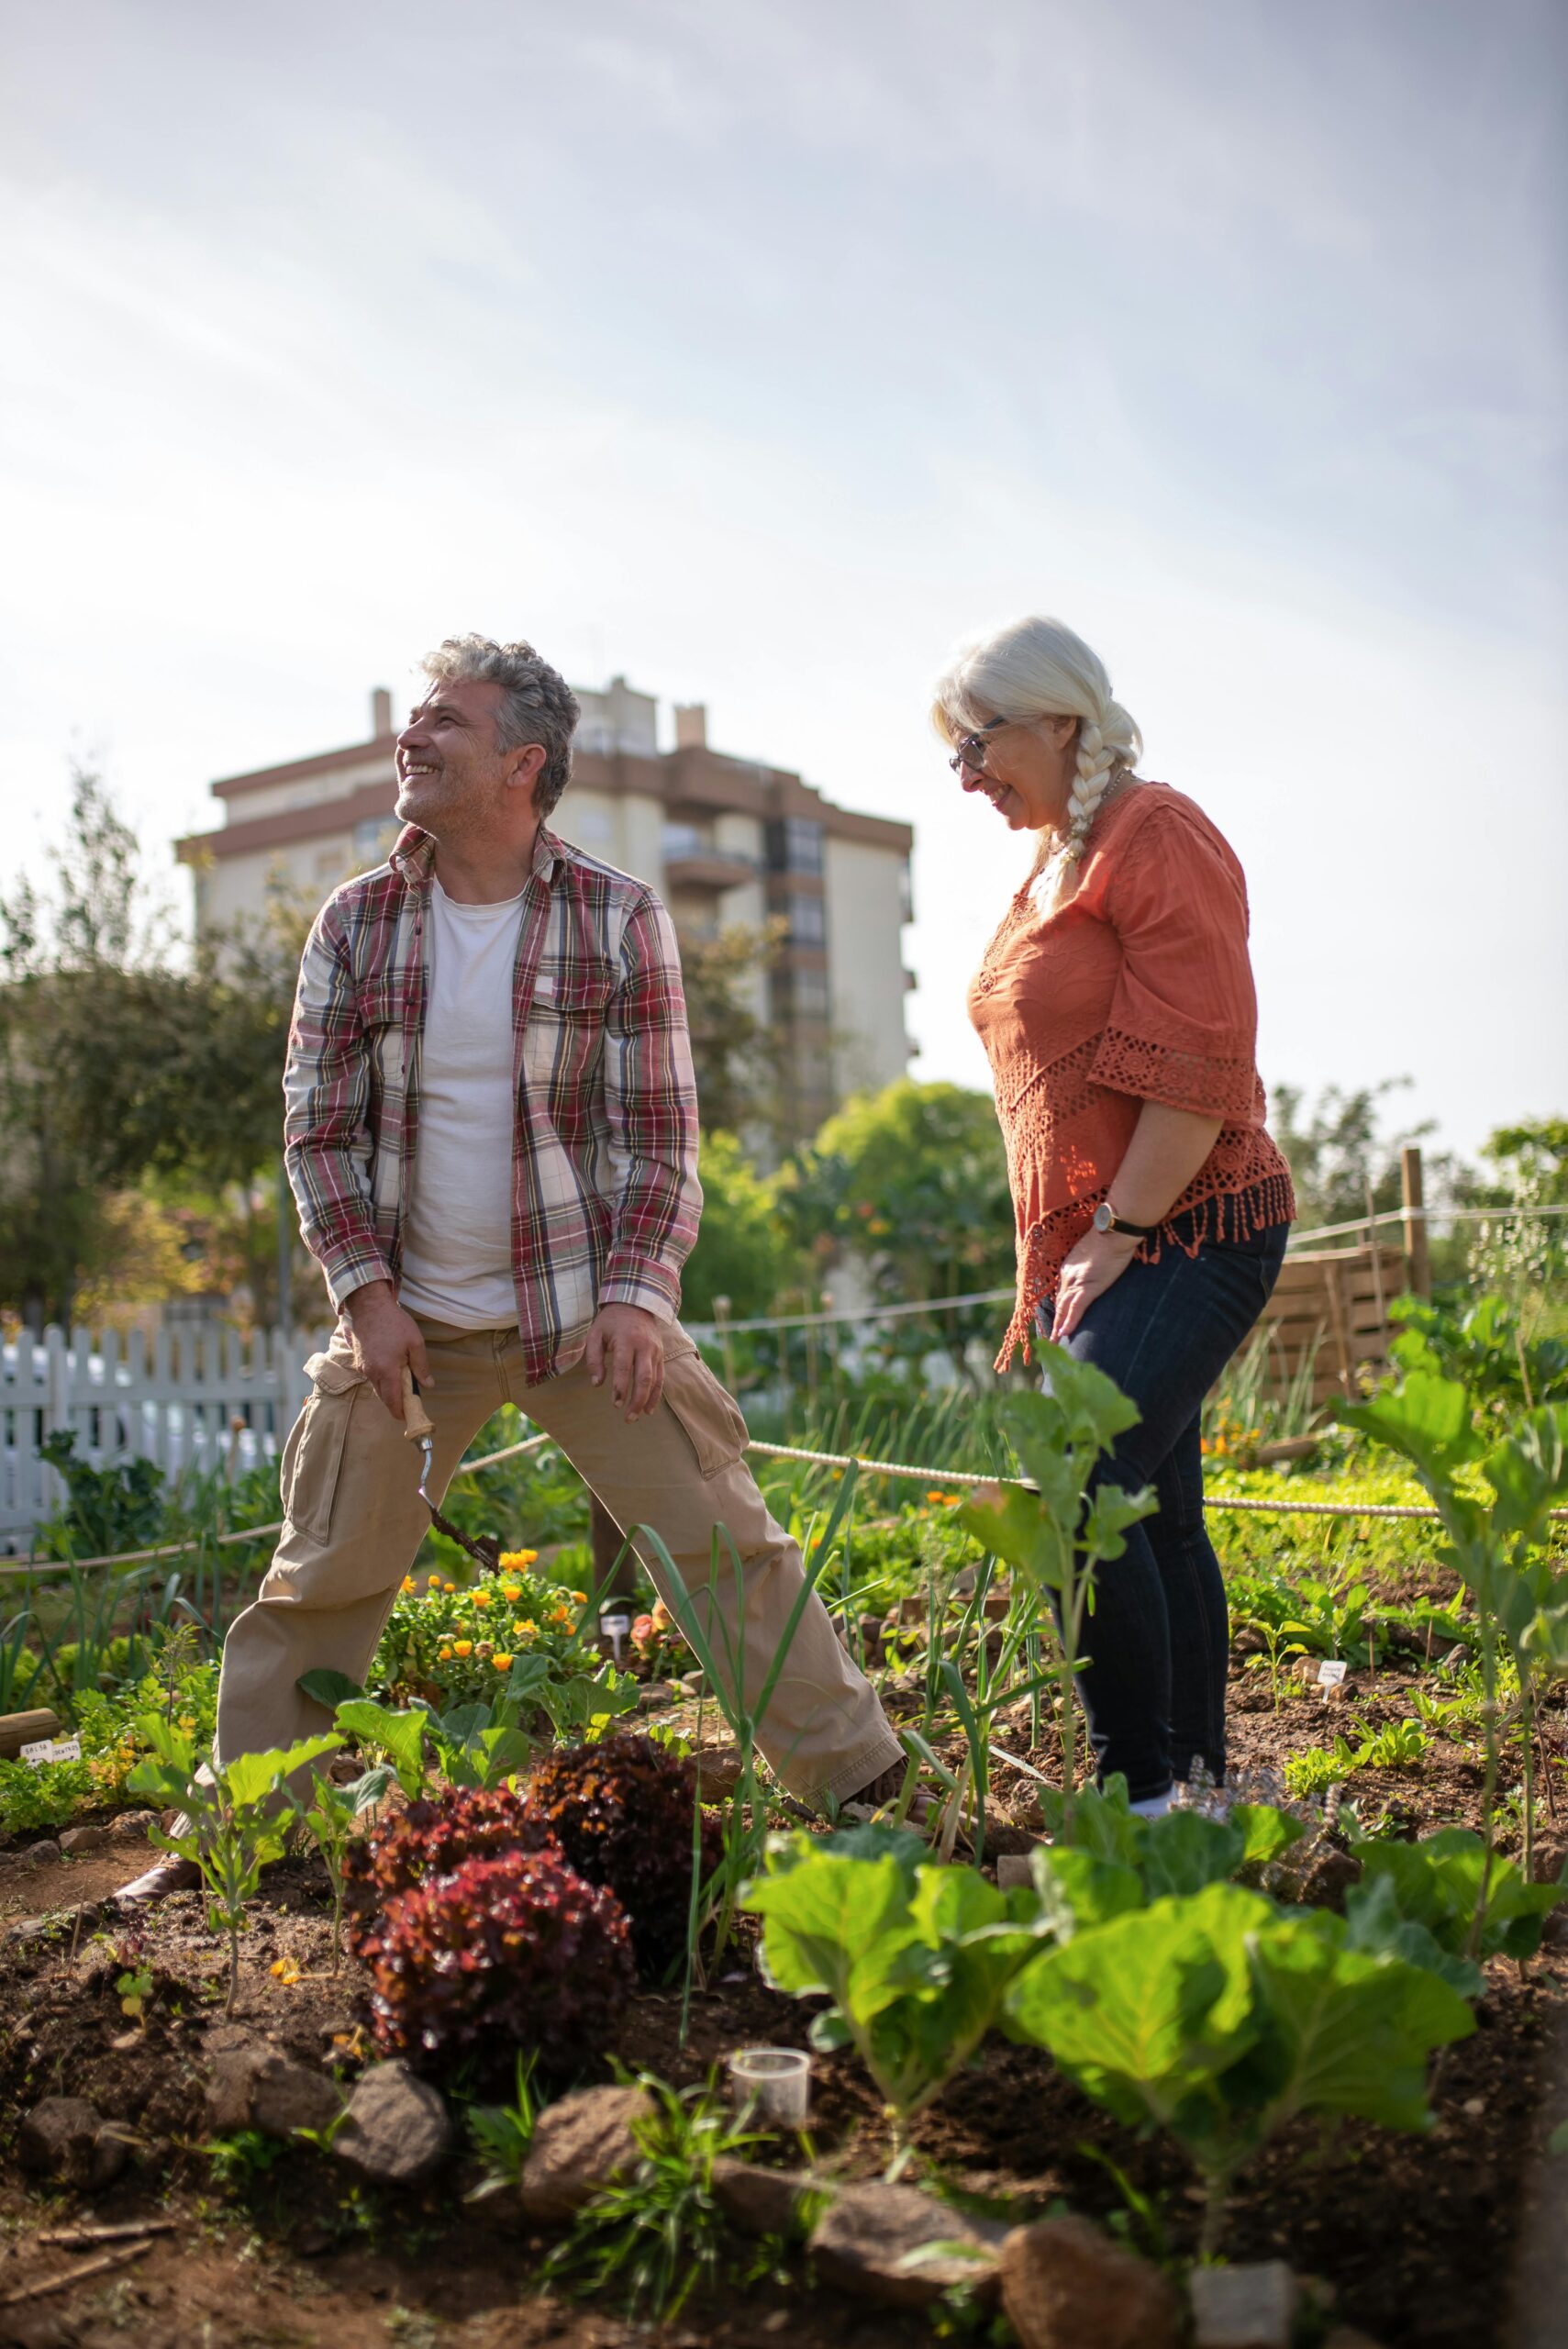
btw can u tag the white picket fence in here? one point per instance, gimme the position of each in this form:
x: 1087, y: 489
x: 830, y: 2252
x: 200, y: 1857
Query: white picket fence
x: 197, y: 1396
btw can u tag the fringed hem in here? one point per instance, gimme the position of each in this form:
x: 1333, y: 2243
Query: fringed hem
x: 1228, y: 1215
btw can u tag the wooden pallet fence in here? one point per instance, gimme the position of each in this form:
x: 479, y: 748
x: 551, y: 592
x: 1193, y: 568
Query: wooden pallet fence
x: 194, y: 1397
x: 1331, y: 1306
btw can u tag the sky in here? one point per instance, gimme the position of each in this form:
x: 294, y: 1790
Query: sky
x: 758, y: 353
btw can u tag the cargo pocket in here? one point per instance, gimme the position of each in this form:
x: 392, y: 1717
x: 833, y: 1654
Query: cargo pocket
x: 709, y: 1419
x: 313, y: 1456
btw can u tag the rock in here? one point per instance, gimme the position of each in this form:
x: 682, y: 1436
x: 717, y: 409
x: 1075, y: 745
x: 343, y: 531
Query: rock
x: 693, y: 1684
x: 42, y: 1855
x: 78, y: 1840
x: 396, y: 2131
x: 653, y: 1699
x: 286, y: 2096
x: 719, y: 1769
x: 230, y: 2080
x: 1547, y: 1858
x: 1314, y: 1872
x: 1250, y: 2307
x: 865, y: 2240
x: 1064, y: 2285
x: 1014, y: 1869
x: 582, y: 2143
x: 757, y: 2201
x: 67, y: 2139
x: 131, y: 1826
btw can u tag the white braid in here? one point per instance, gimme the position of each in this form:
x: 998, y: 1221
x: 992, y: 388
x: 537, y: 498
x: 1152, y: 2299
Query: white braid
x: 1096, y: 764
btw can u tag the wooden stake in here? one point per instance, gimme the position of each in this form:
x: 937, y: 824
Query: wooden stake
x: 79, y: 2275
x: 74, y: 2237
x: 1417, y: 1255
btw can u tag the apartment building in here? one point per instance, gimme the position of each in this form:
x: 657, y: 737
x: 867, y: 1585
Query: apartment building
x: 724, y: 840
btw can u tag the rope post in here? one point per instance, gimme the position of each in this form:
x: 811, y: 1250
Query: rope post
x: 1417, y: 1255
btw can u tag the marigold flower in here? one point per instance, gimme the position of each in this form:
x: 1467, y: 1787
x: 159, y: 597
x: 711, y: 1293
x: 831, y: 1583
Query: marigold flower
x: 434, y: 1581
x: 286, y: 1970
x: 502, y: 1662
x: 443, y: 1656
x: 481, y: 1598
x: 409, y: 1583
x: 511, y: 1592
x: 936, y: 1497
x: 581, y: 1596
x: 449, y: 1586
x: 526, y: 1629
x: 462, y: 1647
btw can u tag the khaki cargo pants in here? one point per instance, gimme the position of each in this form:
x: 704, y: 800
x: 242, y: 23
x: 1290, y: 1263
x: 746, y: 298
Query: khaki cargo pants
x: 354, y: 1523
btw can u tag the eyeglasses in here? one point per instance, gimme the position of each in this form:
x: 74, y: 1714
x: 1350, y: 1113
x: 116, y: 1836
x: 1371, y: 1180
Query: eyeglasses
x: 970, y: 756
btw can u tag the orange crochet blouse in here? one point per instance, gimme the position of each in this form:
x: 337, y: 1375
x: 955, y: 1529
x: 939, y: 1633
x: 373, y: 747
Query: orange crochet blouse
x: 1139, y: 989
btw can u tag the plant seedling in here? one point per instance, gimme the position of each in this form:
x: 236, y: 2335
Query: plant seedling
x: 236, y: 1816
x: 329, y: 1815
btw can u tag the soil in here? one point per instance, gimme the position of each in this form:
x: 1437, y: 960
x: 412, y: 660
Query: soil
x: 1415, y: 2240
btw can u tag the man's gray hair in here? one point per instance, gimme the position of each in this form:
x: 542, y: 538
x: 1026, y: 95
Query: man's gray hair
x: 536, y: 703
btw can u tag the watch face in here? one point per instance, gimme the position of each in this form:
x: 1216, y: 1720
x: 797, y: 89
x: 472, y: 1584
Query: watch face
x: 1103, y: 1216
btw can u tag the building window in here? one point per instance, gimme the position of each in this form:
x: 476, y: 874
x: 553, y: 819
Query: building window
x: 685, y: 839
x: 794, y: 845
x: 801, y: 994
x: 807, y: 922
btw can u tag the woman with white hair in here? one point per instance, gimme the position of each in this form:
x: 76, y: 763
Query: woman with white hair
x: 1116, y: 1004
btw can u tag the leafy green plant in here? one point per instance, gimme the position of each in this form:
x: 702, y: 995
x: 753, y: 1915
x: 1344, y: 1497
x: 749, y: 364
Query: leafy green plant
x: 44, y: 1794
x: 1316, y: 1770
x: 1494, y: 1503
x: 1047, y: 1529
x: 108, y: 1510
x: 330, y: 1815
x: 915, y: 1959
x: 657, y: 2234
x: 430, y: 1838
x: 1400, y: 1745
x: 1216, y: 2018
x: 234, y: 1817
x: 1448, y: 1879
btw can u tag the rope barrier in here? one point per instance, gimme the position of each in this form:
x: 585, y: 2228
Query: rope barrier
x: 903, y: 1469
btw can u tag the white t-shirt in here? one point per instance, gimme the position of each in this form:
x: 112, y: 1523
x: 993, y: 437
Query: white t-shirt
x: 456, y: 1240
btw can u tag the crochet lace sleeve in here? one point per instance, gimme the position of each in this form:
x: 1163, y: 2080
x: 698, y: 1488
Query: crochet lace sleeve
x: 1183, y: 1023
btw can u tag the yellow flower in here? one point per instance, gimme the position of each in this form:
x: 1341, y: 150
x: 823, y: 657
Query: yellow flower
x: 511, y: 1592
x: 516, y: 1558
x: 443, y: 1656
x: 462, y: 1647
x: 409, y: 1583
x: 286, y: 1970
x: 449, y: 1586
x: 526, y: 1629
x: 434, y: 1581
x: 482, y: 1599
x: 502, y: 1662
x: 188, y: 1724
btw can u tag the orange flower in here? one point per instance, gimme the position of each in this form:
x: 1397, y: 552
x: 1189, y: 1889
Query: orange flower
x: 482, y: 1599
x: 449, y: 1586
x: 443, y: 1656
x: 409, y: 1583
x: 581, y: 1596
x: 502, y: 1662
x: 462, y: 1647
x: 511, y: 1592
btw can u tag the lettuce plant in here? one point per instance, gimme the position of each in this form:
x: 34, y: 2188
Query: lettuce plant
x: 1218, y: 2019
x: 428, y: 1839
x: 498, y: 1954
x: 915, y: 1959
x: 625, y: 1813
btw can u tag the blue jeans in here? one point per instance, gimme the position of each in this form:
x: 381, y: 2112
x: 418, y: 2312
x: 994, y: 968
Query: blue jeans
x: 1159, y: 1636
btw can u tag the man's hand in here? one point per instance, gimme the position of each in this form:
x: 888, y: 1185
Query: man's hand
x: 630, y: 1343
x: 1095, y: 1264
x: 387, y: 1338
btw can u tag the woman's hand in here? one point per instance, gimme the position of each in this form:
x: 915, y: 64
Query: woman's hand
x: 1095, y: 1264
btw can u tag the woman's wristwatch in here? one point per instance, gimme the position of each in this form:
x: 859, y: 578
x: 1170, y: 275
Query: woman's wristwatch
x: 1108, y: 1219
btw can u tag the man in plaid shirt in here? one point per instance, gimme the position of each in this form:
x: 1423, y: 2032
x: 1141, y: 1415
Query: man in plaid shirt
x: 491, y: 1131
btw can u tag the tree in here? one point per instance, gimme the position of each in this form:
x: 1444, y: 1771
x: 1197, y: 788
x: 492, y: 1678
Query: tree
x: 740, y: 1057
x: 744, y: 1250
x: 1337, y: 1149
x: 913, y: 1182
x: 116, y: 1061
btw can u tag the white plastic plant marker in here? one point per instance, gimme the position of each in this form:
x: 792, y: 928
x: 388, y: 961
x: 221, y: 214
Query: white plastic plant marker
x: 1331, y: 1673
x: 774, y: 2083
x: 52, y: 1749
x: 615, y: 1629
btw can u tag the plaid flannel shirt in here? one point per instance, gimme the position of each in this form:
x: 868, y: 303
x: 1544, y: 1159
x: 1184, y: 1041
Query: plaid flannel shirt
x: 605, y: 1193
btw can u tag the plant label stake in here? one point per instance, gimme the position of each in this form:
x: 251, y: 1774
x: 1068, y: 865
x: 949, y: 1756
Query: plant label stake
x: 1329, y: 1675
x: 52, y: 1749
x: 615, y: 1629
x: 419, y: 1429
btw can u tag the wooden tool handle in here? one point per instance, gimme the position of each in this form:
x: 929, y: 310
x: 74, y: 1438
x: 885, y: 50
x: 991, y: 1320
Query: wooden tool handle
x: 417, y: 1421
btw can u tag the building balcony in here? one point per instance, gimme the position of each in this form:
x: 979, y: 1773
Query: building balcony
x: 708, y: 868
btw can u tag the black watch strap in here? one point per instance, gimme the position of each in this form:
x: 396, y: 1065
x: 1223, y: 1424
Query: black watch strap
x: 1108, y: 1219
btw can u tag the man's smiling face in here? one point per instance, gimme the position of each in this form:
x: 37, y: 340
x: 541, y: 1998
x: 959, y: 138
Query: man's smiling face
x: 450, y: 766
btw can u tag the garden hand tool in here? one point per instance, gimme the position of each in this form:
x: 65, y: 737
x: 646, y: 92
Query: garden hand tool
x: 418, y: 1429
